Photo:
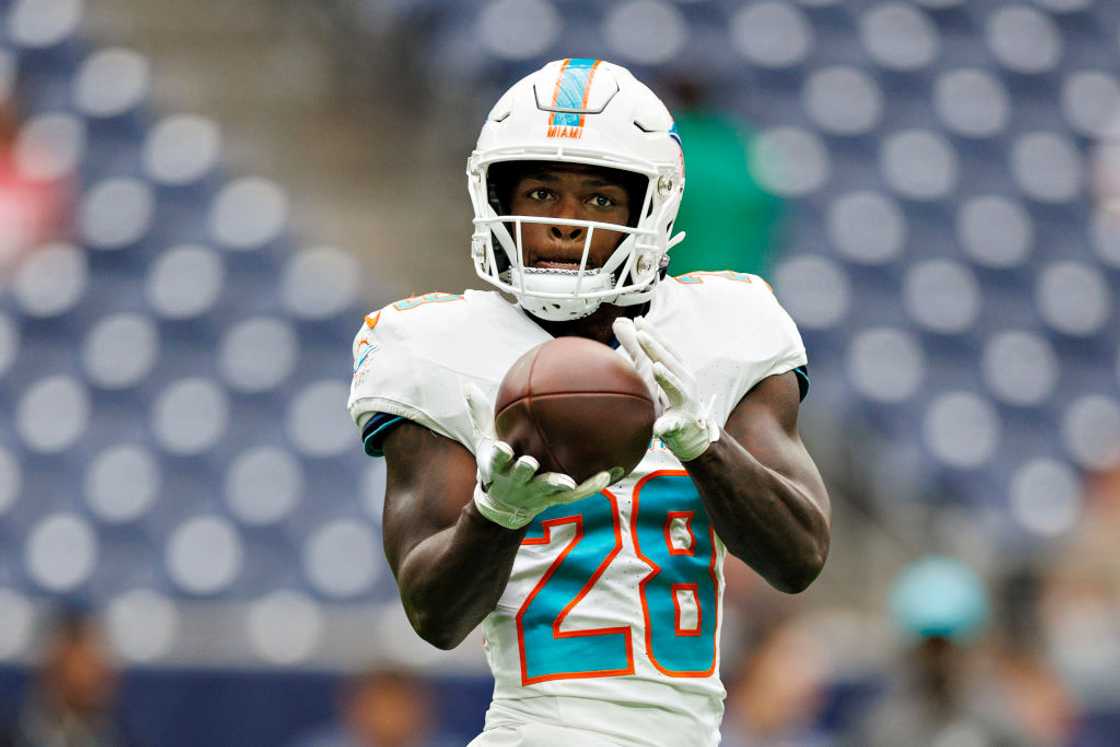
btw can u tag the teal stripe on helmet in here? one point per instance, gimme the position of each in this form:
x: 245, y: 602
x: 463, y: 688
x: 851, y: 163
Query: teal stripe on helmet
x: 571, y: 91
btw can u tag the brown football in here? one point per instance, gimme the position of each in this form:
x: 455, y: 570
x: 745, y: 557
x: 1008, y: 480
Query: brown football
x: 577, y: 406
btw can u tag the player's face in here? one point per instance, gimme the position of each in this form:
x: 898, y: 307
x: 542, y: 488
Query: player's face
x: 569, y: 191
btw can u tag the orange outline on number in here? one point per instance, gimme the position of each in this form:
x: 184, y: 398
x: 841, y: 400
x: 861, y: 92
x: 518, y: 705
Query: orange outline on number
x: 546, y: 539
x: 655, y: 569
x: 687, y: 516
x: 695, y: 589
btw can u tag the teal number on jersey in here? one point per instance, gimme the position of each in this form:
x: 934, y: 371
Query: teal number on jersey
x: 547, y: 652
x: 679, y: 597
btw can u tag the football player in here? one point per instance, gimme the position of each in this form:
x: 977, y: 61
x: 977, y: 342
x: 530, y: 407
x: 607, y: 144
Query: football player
x: 600, y: 601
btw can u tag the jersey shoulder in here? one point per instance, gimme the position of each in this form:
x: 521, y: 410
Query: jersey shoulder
x: 433, y: 324
x: 724, y: 288
x: 411, y: 320
x: 411, y: 357
x: 397, y: 365
x: 739, y: 313
x: 733, y: 301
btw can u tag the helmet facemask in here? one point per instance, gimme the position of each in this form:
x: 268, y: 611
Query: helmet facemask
x: 626, y: 278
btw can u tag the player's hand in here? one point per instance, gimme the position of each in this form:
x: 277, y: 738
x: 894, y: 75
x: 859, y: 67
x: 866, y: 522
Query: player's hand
x: 627, y: 335
x: 509, y: 491
x: 686, y: 426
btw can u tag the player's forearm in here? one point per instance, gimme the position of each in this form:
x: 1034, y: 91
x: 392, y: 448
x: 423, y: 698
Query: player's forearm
x: 765, y: 519
x: 453, y: 579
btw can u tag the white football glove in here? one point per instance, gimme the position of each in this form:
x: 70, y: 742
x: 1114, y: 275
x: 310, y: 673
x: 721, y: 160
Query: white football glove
x: 509, y: 491
x: 686, y: 426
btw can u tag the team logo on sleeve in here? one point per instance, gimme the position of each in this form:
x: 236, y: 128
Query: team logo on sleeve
x: 365, y: 350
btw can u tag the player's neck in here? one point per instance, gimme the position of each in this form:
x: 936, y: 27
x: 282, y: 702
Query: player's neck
x: 596, y: 327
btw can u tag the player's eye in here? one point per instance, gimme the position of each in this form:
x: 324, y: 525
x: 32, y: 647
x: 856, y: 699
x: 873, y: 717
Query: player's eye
x: 539, y: 193
x: 602, y: 201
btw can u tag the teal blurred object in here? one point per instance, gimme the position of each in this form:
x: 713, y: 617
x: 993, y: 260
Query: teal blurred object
x: 939, y: 597
x: 729, y: 220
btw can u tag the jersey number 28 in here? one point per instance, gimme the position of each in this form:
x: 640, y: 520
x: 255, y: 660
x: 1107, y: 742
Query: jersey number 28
x: 671, y: 533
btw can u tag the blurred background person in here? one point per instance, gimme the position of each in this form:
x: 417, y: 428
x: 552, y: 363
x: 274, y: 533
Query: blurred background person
x: 1039, y: 700
x: 940, y: 695
x: 72, y: 698
x: 731, y: 222
x: 1079, y: 611
x: 775, y: 697
x: 382, y: 707
x: 35, y: 195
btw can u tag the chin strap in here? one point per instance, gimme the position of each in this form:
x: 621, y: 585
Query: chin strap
x: 559, y: 310
x: 568, y: 309
x: 558, y: 281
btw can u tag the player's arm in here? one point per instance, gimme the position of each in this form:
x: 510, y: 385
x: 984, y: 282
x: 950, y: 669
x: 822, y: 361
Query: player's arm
x: 451, y: 563
x: 763, y: 491
x: 453, y: 520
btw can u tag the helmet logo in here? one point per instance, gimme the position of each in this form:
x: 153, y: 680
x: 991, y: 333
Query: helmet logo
x: 575, y: 133
x: 569, y: 97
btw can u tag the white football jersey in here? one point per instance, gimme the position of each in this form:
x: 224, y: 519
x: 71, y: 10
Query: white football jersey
x: 614, y: 602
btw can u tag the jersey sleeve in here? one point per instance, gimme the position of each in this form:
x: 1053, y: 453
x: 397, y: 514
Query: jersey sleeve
x: 756, y: 334
x: 780, y: 346
x: 399, y: 374
x: 376, y: 428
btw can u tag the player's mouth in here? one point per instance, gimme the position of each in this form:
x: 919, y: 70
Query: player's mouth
x: 557, y: 263
x: 553, y: 264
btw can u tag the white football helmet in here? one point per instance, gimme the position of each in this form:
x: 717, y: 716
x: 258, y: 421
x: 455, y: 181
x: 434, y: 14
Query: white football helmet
x: 580, y: 111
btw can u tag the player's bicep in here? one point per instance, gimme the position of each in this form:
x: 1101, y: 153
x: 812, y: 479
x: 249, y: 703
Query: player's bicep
x: 765, y: 423
x: 429, y: 480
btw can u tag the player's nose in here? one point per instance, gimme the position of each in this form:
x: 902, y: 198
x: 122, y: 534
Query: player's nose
x: 566, y: 233
x: 568, y: 208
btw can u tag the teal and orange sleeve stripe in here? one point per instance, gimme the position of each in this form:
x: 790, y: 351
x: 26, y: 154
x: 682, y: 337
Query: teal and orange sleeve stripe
x: 375, y: 431
x: 802, y: 380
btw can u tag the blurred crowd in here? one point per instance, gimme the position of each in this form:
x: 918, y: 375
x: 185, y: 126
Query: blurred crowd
x: 1026, y: 657
x: 70, y: 700
x: 73, y: 699
x: 36, y: 197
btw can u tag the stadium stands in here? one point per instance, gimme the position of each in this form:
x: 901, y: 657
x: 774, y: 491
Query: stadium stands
x: 175, y: 371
